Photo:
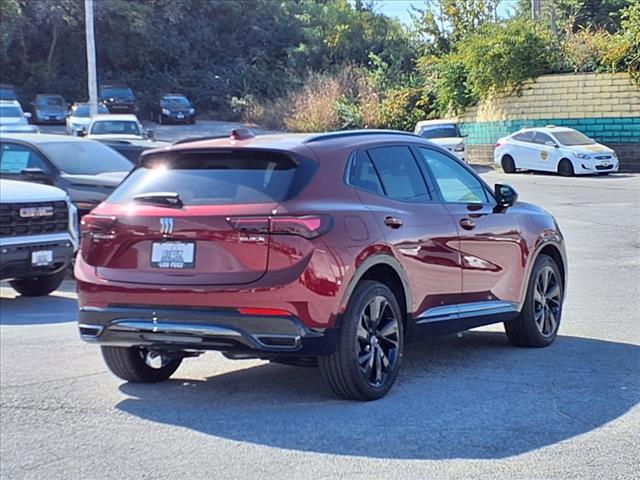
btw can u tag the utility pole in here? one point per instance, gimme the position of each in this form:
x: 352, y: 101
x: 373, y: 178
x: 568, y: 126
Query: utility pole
x: 92, y: 80
x: 535, y: 9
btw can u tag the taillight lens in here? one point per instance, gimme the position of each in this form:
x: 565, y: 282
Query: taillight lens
x: 498, y: 144
x: 307, y: 226
x: 98, y: 227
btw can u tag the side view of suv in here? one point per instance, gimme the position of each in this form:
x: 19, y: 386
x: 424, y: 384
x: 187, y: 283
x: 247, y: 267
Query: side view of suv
x: 331, y: 249
x: 38, y: 236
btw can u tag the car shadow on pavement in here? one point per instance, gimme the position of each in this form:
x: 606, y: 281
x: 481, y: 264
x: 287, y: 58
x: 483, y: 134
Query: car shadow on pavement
x: 54, y: 308
x: 472, y: 397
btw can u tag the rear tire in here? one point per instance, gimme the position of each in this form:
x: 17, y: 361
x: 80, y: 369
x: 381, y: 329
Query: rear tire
x: 367, y: 358
x: 508, y: 164
x: 565, y: 168
x: 538, y: 323
x: 130, y: 364
x: 38, y: 286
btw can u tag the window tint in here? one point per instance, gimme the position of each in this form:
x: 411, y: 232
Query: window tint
x: 15, y: 158
x: 207, y: 179
x: 524, y: 136
x: 399, y: 173
x: 364, y: 176
x: 441, y: 131
x: 84, y: 157
x: 542, y: 138
x: 83, y: 110
x: 456, y: 183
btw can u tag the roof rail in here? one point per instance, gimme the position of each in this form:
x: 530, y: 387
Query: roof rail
x: 198, y: 139
x: 353, y: 133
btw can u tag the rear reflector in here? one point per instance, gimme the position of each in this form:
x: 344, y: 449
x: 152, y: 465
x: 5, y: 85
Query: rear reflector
x: 264, y: 311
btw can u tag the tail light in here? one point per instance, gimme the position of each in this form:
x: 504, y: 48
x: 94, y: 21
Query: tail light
x: 307, y: 226
x: 98, y: 227
x: 498, y: 144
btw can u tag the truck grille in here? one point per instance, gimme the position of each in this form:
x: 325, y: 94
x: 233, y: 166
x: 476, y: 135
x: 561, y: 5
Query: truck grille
x: 12, y: 224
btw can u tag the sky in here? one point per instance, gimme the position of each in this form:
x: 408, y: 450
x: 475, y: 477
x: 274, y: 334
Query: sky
x: 401, y: 8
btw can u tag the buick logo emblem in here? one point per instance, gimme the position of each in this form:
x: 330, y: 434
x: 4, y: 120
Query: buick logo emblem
x: 166, y: 225
x: 30, y: 212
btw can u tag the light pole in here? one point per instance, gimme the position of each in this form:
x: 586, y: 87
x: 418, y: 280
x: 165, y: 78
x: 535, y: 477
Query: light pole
x: 91, y: 57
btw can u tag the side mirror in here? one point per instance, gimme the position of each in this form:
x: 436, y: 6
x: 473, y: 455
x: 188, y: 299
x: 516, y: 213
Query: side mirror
x: 27, y: 115
x: 151, y: 135
x: 81, y: 132
x: 551, y: 144
x: 464, y: 135
x: 36, y: 175
x: 505, y: 195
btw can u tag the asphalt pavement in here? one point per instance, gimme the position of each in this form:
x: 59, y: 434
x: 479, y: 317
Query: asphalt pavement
x: 468, y: 406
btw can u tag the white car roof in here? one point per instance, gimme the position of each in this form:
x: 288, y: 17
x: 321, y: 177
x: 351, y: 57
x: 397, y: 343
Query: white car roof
x: 547, y: 129
x: 115, y: 117
x: 425, y: 123
x: 13, y: 191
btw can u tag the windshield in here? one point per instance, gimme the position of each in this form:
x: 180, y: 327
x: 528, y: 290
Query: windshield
x: 176, y: 101
x: 115, y: 127
x: 7, y: 94
x: 50, y: 102
x: 10, y: 112
x: 441, y: 131
x: 242, y: 178
x: 117, y: 92
x: 83, y: 110
x: 85, y: 158
x: 573, y: 138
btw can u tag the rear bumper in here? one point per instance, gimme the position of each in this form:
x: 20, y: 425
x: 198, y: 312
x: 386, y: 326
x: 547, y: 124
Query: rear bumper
x: 199, y: 330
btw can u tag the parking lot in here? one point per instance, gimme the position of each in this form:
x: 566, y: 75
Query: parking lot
x: 468, y: 406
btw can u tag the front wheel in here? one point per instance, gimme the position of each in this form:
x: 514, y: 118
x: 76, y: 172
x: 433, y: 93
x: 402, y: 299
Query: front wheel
x: 539, y: 321
x: 38, y: 286
x: 565, y: 168
x: 367, y: 358
x: 139, y: 365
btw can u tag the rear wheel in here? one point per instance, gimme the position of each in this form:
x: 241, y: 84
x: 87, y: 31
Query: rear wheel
x: 139, y: 365
x: 367, y: 357
x: 538, y: 322
x: 38, y: 286
x: 508, y: 164
x: 565, y: 168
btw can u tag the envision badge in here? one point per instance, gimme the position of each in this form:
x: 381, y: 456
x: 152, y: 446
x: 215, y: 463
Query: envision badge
x: 30, y: 212
x: 166, y: 225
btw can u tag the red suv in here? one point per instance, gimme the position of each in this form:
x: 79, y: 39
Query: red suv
x: 331, y: 249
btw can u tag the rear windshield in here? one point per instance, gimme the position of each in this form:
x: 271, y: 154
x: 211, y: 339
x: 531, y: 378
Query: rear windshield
x: 441, y: 131
x: 573, y: 138
x: 213, y: 179
x: 115, y: 127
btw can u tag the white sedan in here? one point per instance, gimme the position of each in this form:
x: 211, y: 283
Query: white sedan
x: 554, y: 149
x: 79, y: 117
x: 117, y: 127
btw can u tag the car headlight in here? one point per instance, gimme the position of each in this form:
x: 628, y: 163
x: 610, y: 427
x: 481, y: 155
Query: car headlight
x: 583, y: 156
x: 192, y: 111
x: 166, y: 111
x: 459, y: 148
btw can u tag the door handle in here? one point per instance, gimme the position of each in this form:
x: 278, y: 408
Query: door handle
x: 392, y: 222
x: 467, y: 224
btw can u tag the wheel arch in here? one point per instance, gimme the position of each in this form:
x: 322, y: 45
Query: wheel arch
x: 553, y: 248
x: 387, y: 270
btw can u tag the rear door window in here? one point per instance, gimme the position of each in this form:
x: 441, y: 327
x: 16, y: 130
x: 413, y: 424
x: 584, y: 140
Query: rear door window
x: 15, y: 158
x: 399, y: 174
x: 213, y: 179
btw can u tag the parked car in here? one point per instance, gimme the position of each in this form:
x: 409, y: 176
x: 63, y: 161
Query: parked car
x: 329, y: 248
x: 38, y: 233
x: 174, y: 108
x: 116, y: 127
x: 13, y: 119
x: 444, y: 133
x: 554, y: 149
x: 49, y: 108
x: 79, y: 117
x: 131, y: 148
x: 118, y: 98
x: 88, y: 171
x: 8, y: 92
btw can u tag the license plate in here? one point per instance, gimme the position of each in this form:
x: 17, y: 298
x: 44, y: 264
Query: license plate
x: 173, y: 254
x: 53, y: 118
x: 42, y: 258
x: 605, y: 164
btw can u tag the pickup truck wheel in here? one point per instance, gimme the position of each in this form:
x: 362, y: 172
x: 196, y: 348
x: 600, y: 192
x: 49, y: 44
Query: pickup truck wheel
x: 139, y: 365
x: 38, y: 286
x: 539, y: 321
x: 367, y: 358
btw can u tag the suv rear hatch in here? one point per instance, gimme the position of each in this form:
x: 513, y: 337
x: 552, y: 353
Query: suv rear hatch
x: 190, y: 218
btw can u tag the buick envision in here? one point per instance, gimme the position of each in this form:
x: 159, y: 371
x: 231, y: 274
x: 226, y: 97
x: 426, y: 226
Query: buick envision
x: 331, y: 249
